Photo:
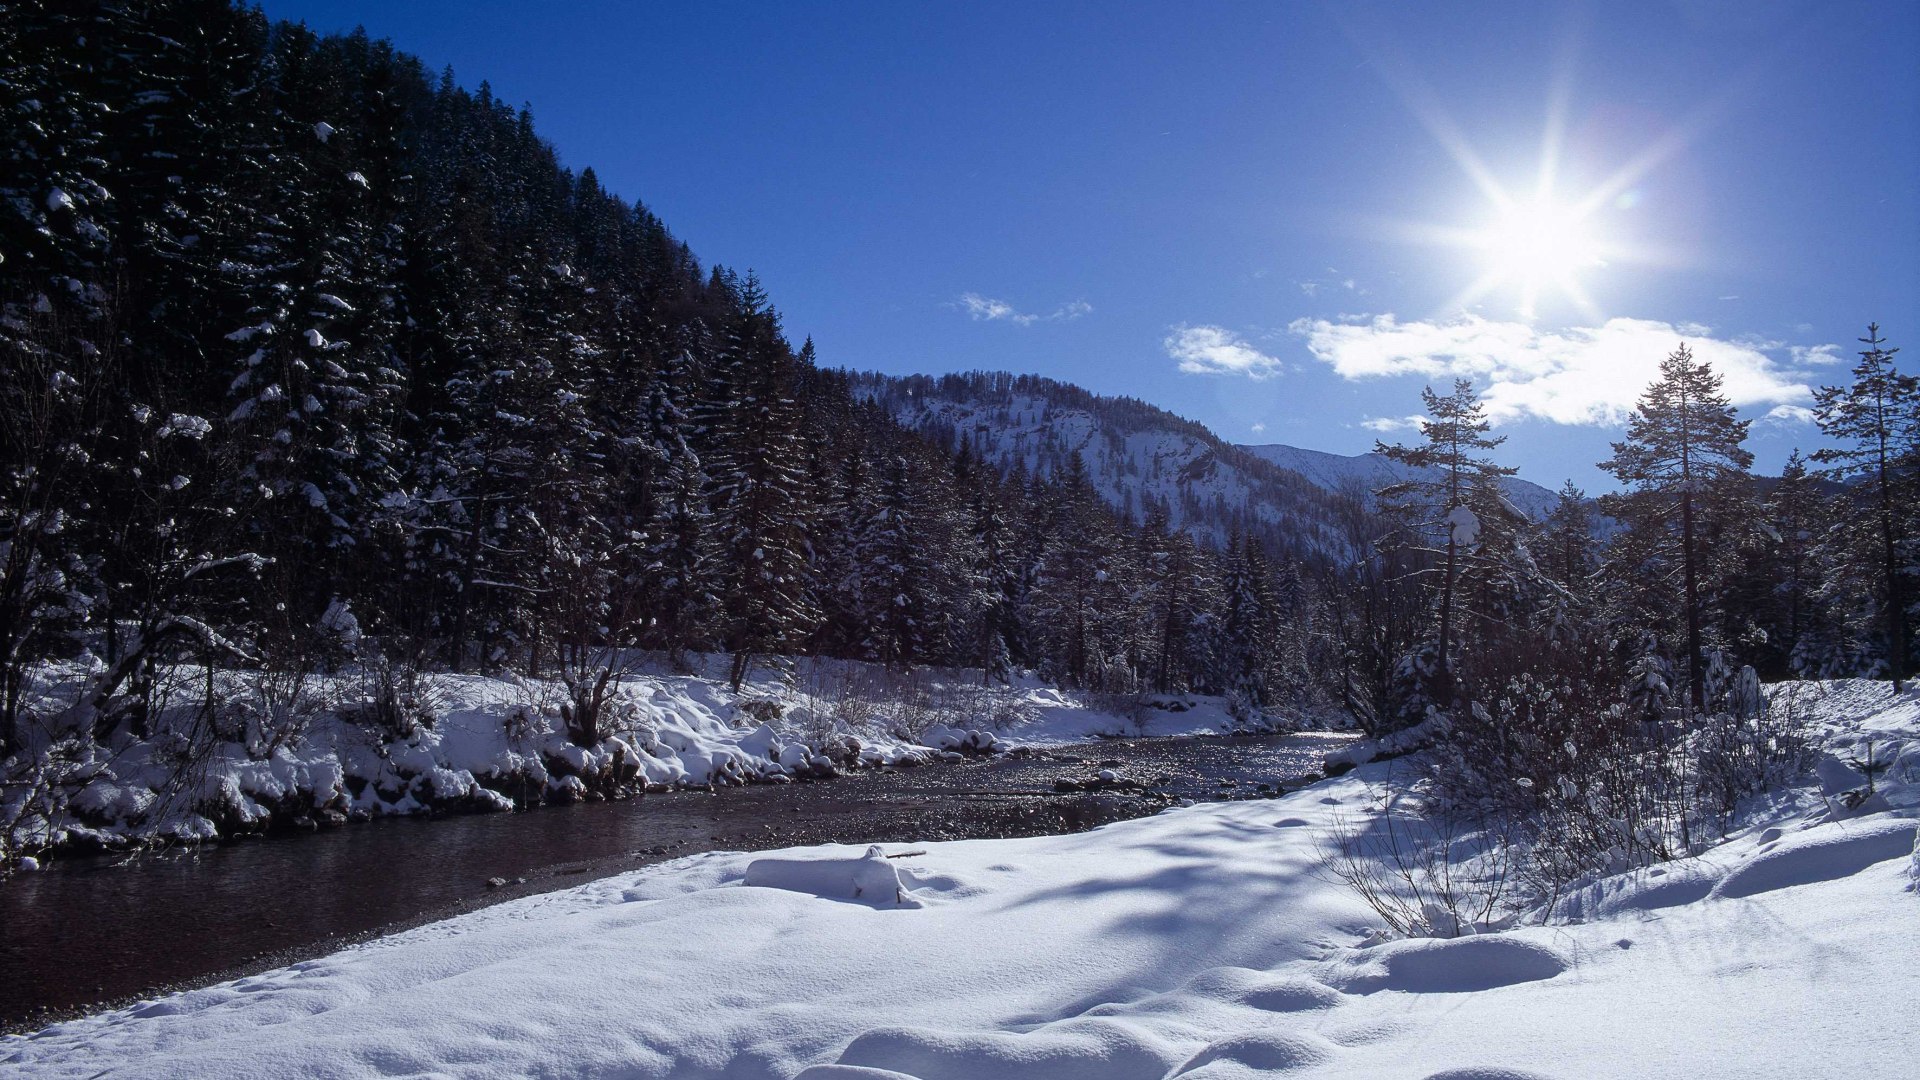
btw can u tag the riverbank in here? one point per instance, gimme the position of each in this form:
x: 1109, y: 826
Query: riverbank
x: 98, y: 932
x: 1205, y: 942
x: 359, y: 745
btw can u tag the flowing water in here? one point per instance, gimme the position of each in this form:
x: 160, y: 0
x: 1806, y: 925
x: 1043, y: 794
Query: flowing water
x: 88, y: 933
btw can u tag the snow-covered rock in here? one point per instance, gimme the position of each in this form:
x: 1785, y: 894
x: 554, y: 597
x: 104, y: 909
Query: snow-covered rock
x: 870, y: 879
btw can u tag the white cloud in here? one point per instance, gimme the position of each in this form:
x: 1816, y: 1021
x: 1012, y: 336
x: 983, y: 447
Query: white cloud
x: 1215, y: 350
x: 1790, y: 414
x: 984, y: 309
x: 1820, y: 355
x: 1258, y: 427
x: 1335, y: 280
x: 1580, y: 375
x: 1391, y: 423
x: 987, y: 309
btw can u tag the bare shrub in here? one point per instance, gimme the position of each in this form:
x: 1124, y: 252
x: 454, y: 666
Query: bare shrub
x: 1427, y: 875
x: 1134, y: 708
x: 870, y: 701
x: 394, y: 698
x: 1000, y: 709
x: 1606, y: 767
x: 268, y: 709
x: 760, y: 710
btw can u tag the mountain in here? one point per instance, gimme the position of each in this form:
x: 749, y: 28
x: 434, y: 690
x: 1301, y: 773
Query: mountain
x: 1362, y: 474
x: 1141, y: 457
x: 1138, y: 456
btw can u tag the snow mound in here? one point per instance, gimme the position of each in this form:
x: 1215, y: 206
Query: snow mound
x: 1245, y: 1057
x: 1820, y: 856
x: 870, y: 879
x: 1263, y: 990
x: 1456, y: 966
x: 1666, y: 886
x: 1486, y: 1074
x: 1081, y: 1049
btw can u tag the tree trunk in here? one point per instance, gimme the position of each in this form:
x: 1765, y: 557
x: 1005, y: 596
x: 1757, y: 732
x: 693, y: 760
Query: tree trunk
x: 1166, y: 650
x: 1896, y: 614
x: 1446, y: 602
x: 1696, y: 678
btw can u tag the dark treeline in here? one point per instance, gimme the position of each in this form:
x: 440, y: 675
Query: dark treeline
x: 311, y: 355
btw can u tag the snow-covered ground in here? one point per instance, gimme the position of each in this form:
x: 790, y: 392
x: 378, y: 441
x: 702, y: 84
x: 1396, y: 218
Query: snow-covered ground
x: 495, y: 740
x: 1206, y: 942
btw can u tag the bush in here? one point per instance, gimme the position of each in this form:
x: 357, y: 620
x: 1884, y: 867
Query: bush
x: 395, y: 699
x: 1429, y: 875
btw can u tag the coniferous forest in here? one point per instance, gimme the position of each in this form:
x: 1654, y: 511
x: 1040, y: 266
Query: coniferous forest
x: 313, y: 356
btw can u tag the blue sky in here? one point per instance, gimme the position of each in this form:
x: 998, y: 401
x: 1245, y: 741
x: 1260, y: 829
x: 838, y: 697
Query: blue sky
x: 1268, y: 217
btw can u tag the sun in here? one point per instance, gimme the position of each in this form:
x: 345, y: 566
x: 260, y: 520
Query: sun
x: 1537, y: 241
x: 1536, y: 245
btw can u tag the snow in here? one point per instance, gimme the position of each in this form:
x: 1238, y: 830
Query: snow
x: 493, y: 734
x: 871, y: 878
x: 1370, y: 472
x: 1204, y: 942
x: 1463, y: 526
x: 190, y: 427
x: 1136, y: 456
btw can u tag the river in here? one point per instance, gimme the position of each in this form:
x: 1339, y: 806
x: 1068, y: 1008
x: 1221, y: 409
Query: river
x: 95, y: 932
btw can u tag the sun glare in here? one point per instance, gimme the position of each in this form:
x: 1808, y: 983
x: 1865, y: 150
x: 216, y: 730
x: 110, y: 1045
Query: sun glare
x: 1534, y: 243
x: 1531, y: 246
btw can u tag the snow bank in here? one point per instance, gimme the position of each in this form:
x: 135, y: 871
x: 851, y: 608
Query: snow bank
x: 1200, y: 943
x: 486, y: 743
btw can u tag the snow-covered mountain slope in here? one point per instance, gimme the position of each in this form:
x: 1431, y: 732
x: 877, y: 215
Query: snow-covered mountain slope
x: 1360, y: 474
x: 1137, y: 456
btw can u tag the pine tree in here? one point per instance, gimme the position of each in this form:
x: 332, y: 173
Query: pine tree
x: 1073, y: 580
x: 1794, y: 577
x: 896, y: 572
x: 1681, y: 455
x: 1249, y: 625
x: 1874, y: 420
x: 1456, y: 433
x: 1567, y: 537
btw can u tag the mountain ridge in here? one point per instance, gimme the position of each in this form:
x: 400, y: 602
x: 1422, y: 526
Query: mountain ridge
x: 1142, y: 457
x: 1372, y: 471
